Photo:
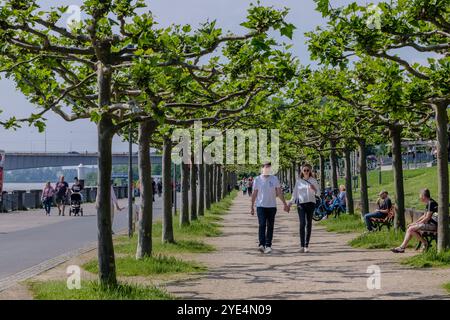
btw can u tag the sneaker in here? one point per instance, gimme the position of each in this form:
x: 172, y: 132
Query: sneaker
x: 268, y: 250
x: 302, y: 249
x: 261, y: 248
x: 398, y: 250
x: 306, y: 249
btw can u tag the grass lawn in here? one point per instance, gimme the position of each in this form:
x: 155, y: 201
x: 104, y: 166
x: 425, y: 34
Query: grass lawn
x: 429, y: 259
x: 447, y: 287
x: 57, y: 290
x: 380, y: 240
x: 414, y: 181
x: 189, y: 239
x: 345, y: 223
x: 157, y: 264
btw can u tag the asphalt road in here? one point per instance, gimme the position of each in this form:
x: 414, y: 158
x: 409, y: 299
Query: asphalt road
x: 27, y: 247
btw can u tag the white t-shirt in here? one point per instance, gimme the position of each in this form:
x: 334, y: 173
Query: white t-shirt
x: 303, y: 193
x: 267, y: 194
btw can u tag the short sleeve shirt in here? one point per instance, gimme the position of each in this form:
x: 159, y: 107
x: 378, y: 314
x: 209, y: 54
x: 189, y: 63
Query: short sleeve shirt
x: 432, y: 206
x: 76, y: 188
x: 61, y: 188
x: 385, y: 204
x: 267, y: 194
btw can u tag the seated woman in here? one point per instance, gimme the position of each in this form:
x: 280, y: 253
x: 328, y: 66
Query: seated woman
x: 384, y: 205
x: 427, y: 222
x: 342, y: 196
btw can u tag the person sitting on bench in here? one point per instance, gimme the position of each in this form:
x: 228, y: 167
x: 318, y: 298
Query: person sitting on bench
x: 384, y: 205
x: 426, y: 223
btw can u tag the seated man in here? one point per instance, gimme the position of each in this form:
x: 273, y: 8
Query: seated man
x: 427, y: 222
x: 342, y: 196
x: 384, y: 205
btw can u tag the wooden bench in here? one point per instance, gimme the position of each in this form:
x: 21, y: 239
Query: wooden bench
x: 429, y: 237
x: 387, y: 221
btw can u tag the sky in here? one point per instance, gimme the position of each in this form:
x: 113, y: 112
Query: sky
x: 80, y: 136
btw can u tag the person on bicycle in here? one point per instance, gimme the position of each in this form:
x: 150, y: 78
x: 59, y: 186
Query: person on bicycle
x: 305, y: 191
x: 384, y: 205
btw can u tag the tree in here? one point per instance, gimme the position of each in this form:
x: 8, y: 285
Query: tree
x: 420, y: 26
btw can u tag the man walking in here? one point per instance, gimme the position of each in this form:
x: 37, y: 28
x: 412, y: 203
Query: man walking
x: 266, y: 188
x: 61, y: 190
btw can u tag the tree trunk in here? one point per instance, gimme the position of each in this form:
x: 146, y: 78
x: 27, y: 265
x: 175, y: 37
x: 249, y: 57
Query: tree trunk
x: 208, y: 186
x: 443, y: 180
x: 322, y: 172
x: 218, y: 183
x: 105, y: 127
x: 224, y: 180
x: 213, y: 183
x: 193, y: 187
x: 106, y: 260
x: 184, y: 216
x: 395, y: 132
x: 144, y: 245
x: 363, y: 177
x: 333, y: 165
x: 201, y: 189
x: 167, y: 234
x: 348, y: 181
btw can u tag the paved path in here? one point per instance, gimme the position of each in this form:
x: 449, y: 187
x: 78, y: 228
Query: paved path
x: 31, y: 242
x: 332, y: 270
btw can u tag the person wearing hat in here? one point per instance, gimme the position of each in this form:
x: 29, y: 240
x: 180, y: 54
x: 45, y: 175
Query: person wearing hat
x: 384, y: 204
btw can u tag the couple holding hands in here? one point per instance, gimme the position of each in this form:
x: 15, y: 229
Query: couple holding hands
x: 266, y: 188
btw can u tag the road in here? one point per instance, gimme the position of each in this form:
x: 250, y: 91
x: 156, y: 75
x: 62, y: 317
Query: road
x: 30, y: 238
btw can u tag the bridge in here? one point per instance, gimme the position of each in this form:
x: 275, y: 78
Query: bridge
x: 32, y: 160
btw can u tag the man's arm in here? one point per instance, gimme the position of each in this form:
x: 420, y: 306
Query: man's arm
x: 254, y: 195
x: 281, y: 196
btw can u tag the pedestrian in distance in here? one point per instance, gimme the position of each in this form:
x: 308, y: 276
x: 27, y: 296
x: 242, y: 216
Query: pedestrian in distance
x: 114, y: 203
x: 266, y: 188
x: 47, y: 197
x: 304, y: 196
x: 61, y: 191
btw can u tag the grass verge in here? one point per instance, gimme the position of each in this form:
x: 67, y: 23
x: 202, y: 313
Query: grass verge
x: 57, y: 290
x: 345, y: 223
x: 429, y: 259
x: 384, y: 239
x: 447, y: 287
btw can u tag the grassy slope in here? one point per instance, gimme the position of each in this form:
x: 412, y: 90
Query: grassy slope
x: 414, y: 181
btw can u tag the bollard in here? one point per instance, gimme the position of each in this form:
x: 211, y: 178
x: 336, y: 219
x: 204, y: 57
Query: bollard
x: 36, y: 199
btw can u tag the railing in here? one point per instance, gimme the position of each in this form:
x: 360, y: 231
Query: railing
x: 19, y: 200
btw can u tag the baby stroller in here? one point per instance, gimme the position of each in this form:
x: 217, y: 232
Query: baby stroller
x: 75, y: 204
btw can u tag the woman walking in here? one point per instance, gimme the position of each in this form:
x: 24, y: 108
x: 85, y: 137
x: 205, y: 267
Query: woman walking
x: 304, y: 195
x: 47, y: 197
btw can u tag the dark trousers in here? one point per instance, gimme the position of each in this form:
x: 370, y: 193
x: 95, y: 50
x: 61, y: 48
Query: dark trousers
x: 266, y: 220
x: 367, y: 217
x: 305, y: 214
x: 47, y: 204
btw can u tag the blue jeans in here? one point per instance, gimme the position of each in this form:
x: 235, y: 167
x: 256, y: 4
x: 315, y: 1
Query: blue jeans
x: 48, y: 204
x: 266, y: 220
x: 367, y: 217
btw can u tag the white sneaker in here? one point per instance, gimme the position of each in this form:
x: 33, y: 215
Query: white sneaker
x: 261, y: 248
x: 268, y: 250
x: 306, y: 250
x: 302, y: 250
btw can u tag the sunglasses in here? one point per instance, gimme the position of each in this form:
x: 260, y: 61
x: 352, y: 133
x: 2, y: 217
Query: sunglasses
x: 306, y: 170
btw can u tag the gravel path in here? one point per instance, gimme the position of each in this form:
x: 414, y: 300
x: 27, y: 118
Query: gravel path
x: 332, y: 270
